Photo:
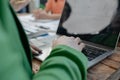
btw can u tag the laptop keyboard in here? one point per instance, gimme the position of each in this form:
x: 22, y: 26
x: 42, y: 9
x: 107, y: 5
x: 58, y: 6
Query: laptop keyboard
x: 92, y: 52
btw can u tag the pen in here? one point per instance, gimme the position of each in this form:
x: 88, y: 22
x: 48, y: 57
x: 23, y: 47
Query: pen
x: 37, y: 53
x: 43, y: 27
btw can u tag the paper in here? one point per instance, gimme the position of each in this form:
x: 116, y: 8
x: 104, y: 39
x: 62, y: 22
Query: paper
x: 90, y: 16
x: 29, y: 20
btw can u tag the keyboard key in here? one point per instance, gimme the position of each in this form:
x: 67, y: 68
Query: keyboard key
x: 92, y: 52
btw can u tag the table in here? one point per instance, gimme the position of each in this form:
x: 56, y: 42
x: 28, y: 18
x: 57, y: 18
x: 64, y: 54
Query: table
x: 108, y: 69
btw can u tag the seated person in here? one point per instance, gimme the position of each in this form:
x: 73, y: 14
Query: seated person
x: 53, y: 10
x: 65, y: 61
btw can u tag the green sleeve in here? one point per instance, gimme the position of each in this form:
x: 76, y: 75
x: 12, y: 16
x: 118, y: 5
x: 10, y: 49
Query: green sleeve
x: 15, y: 56
x: 64, y: 63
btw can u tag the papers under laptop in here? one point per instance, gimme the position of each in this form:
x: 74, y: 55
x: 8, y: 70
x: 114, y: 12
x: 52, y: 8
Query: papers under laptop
x: 98, y: 45
x: 45, y: 44
x: 41, y: 33
x: 31, y: 25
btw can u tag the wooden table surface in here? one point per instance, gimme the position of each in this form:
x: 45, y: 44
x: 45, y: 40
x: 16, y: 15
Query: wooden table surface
x: 108, y: 69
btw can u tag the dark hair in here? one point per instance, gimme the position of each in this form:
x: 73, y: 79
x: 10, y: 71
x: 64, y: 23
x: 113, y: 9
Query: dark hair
x: 118, y: 5
x: 66, y: 13
x: 116, y: 21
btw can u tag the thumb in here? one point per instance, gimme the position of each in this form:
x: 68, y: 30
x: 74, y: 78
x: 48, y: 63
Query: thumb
x: 81, y: 46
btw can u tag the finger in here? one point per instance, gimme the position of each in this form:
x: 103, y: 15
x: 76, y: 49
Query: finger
x: 36, y: 48
x: 72, y: 37
x: 62, y: 37
x: 78, y: 40
x: 37, y: 15
x: 34, y: 52
x: 81, y: 46
x: 34, y: 13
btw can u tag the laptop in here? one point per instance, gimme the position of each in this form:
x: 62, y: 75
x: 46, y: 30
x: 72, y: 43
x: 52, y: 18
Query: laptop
x: 98, y: 46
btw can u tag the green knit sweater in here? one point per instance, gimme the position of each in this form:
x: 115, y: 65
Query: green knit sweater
x: 64, y: 63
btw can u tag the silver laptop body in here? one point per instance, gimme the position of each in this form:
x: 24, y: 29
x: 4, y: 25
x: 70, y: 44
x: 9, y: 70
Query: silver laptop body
x: 102, y: 47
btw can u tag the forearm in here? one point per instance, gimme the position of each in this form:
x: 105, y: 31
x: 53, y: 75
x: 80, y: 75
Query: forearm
x: 53, y: 16
x: 63, y: 63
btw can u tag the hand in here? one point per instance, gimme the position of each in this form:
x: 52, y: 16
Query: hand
x: 36, y: 13
x: 19, y: 4
x: 72, y: 42
x: 36, y: 51
x: 40, y: 14
x: 35, y: 63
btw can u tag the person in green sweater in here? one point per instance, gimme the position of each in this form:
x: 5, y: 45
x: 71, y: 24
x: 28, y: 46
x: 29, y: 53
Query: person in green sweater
x: 65, y: 62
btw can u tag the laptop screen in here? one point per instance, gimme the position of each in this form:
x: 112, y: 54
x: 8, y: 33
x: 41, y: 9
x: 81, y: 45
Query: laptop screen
x: 106, y: 36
